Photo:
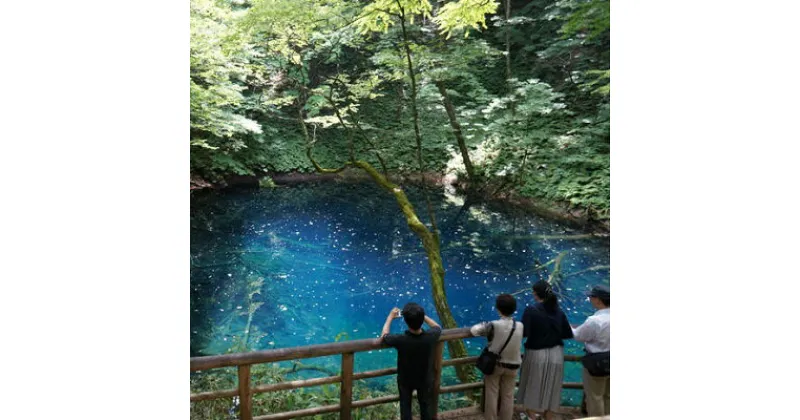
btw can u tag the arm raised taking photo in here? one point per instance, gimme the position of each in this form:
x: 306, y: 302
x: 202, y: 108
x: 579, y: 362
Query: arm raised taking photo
x: 431, y: 323
x: 395, y: 313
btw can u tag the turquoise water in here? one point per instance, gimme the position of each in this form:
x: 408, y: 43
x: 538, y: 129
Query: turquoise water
x: 322, y: 262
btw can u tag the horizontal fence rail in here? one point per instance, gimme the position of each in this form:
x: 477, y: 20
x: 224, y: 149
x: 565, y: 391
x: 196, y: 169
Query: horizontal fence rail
x: 304, y: 352
x: 347, y: 350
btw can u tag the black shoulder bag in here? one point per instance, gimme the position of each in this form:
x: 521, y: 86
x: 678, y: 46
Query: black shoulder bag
x: 488, y: 360
x: 598, y: 364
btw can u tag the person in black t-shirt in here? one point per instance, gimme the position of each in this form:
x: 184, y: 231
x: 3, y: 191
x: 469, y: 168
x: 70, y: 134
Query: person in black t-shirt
x: 414, y: 358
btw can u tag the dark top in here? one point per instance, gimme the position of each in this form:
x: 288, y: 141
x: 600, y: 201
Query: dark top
x: 414, y: 355
x: 545, y: 329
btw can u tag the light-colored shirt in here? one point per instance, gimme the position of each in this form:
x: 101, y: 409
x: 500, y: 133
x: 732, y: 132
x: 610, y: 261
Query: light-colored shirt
x: 502, y: 328
x: 595, y: 333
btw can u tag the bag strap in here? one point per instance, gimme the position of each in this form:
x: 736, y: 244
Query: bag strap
x: 514, y: 326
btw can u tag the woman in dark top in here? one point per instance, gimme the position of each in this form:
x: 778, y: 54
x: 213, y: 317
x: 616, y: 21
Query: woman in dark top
x: 545, y: 327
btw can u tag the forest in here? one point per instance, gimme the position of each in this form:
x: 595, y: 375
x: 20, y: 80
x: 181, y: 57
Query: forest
x: 505, y: 99
x: 510, y: 97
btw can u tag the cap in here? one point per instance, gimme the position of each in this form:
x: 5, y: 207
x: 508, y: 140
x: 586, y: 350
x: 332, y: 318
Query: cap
x: 601, y: 292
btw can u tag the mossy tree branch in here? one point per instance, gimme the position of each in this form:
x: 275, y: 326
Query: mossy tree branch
x: 430, y: 242
x: 358, y: 127
x: 310, y: 146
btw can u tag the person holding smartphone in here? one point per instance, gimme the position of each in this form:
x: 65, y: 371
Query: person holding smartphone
x: 415, y: 353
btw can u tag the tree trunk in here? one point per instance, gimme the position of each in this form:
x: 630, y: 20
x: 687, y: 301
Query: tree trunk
x: 508, y: 54
x: 508, y: 45
x: 415, y: 114
x: 462, y: 146
x: 430, y: 242
x: 430, y: 239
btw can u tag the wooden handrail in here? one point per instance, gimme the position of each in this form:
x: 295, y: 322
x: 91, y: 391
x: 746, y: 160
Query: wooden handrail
x: 304, y: 352
x: 346, y: 349
x: 375, y: 373
x: 376, y: 401
x: 459, y: 361
x: 297, y: 384
x: 300, y: 413
x: 478, y: 385
x: 305, y: 383
x: 213, y: 395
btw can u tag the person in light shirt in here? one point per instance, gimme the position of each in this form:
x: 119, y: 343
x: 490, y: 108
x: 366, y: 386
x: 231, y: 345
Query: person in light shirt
x: 595, y: 333
x: 500, y: 384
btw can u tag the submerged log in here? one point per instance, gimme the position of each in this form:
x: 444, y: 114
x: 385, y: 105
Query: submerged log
x: 299, y: 367
x: 592, y: 268
x: 553, y: 237
x: 556, y: 276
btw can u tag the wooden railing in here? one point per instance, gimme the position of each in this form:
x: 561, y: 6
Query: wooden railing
x: 347, y: 349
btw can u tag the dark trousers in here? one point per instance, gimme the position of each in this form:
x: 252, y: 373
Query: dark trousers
x: 424, y: 395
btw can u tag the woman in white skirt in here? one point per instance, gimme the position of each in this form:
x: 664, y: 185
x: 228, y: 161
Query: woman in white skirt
x: 546, y: 327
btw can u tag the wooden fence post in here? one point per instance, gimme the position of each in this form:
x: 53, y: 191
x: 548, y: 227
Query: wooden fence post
x: 438, y: 353
x: 483, y: 398
x: 245, y: 396
x: 346, y: 394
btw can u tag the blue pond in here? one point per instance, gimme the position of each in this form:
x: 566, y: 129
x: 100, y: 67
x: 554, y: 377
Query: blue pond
x: 322, y: 262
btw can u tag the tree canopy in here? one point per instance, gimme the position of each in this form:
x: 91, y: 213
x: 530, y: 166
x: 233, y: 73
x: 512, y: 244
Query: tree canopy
x: 512, y: 95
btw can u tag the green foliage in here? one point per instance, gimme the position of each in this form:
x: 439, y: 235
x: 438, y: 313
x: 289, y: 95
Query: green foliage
x: 218, y: 68
x: 464, y: 14
x: 380, y: 15
x: 289, y: 400
x: 591, y: 17
x: 215, y: 66
x: 598, y: 82
x: 577, y: 170
x: 268, y: 76
x: 456, y: 60
x: 266, y: 182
